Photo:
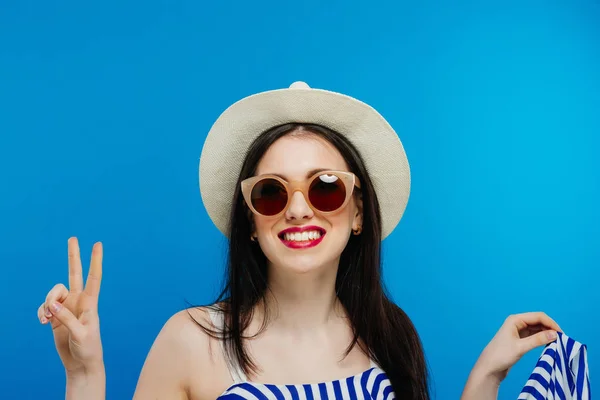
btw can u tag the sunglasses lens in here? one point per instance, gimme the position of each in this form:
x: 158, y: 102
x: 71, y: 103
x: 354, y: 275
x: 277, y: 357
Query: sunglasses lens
x: 327, y: 192
x: 269, y: 197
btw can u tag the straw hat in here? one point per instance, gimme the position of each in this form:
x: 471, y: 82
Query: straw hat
x: 236, y: 128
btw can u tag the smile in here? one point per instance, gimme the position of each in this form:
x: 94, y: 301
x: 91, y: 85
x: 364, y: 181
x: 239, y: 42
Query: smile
x: 302, y: 237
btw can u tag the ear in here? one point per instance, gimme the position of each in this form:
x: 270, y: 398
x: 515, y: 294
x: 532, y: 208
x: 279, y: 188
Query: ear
x: 358, y: 216
x: 253, y: 233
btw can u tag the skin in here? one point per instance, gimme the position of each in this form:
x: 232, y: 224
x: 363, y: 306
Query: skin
x: 307, y: 333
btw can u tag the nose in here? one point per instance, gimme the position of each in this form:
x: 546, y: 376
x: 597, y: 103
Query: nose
x: 298, y: 208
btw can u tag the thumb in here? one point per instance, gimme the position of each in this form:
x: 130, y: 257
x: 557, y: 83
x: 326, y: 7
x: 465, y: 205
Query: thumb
x: 69, y: 320
x: 539, y: 339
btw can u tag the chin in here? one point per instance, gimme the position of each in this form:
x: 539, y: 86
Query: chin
x: 301, y: 264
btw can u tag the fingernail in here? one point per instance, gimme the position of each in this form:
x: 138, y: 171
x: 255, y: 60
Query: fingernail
x: 43, y: 320
x: 56, y: 307
x: 47, y: 312
x: 551, y: 335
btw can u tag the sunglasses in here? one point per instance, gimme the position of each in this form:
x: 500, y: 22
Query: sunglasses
x: 325, y: 192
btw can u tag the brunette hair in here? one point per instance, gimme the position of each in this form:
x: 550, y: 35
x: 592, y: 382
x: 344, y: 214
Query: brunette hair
x: 381, y: 328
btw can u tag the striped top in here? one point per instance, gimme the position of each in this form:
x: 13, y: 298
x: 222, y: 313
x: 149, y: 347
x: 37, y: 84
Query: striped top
x: 372, y: 384
x: 561, y: 373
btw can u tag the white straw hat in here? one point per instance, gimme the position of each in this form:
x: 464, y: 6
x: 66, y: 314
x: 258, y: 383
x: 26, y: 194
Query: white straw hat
x: 236, y: 128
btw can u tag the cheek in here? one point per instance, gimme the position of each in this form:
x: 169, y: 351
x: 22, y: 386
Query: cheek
x: 345, y: 218
x: 262, y: 224
x: 265, y: 229
x: 339, y: 227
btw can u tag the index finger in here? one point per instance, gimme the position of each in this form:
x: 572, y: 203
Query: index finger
x: 92, y: 285
x: 75, y: 272
x: 536, y: 318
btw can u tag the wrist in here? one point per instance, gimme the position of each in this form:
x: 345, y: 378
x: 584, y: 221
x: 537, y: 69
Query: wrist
x: 481, y: 385
x: 84, y: 373
x: 88, y: 383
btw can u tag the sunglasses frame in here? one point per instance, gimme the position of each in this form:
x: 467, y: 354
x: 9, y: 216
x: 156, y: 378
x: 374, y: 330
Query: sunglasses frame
x: 349, y: 179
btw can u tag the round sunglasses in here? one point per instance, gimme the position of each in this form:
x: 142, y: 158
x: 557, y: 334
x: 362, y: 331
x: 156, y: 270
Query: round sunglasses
x: 325, y: 192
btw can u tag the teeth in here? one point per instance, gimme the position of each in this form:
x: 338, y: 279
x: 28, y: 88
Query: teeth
x: 302, y: 237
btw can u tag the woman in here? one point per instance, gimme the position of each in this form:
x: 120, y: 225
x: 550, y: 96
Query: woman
x: 305, y: 183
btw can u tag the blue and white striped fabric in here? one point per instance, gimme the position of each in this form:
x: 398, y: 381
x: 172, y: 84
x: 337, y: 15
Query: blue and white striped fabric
x: 561, y: 373
x: 372, y: 384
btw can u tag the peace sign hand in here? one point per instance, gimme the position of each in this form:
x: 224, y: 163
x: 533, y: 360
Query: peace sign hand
x: 73, y: 314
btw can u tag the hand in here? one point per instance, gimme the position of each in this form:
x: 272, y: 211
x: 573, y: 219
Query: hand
x: 73, y: 314
x: 518, y: 335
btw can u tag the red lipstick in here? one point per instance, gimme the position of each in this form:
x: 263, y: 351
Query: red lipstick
x: 304, y: 244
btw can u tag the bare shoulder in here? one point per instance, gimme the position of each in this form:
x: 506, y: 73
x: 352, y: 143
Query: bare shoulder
x: 184, y: 362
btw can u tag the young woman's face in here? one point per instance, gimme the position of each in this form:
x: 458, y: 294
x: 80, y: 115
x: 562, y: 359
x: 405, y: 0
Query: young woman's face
x: 294, y: 158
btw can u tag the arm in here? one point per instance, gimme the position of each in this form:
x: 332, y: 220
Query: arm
x: 480, y: 386
x: 167, y: 368
x: 88, y: 384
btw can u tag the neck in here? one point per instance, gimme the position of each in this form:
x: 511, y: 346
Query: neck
x: 302, y: 302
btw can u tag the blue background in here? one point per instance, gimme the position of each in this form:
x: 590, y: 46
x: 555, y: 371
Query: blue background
x: 104, y: 108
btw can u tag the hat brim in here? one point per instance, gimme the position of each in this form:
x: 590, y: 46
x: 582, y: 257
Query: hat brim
x: 239, y: 125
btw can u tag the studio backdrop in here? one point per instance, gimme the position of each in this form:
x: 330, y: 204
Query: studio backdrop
x: 104, y: 108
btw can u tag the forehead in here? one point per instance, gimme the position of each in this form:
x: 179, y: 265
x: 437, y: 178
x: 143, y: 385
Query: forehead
x: 293, y: 156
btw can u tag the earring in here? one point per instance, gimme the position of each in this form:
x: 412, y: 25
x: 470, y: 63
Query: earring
x: 357, y: 231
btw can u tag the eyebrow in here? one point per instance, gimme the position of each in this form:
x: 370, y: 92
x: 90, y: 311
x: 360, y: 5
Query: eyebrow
x: 308, y: 174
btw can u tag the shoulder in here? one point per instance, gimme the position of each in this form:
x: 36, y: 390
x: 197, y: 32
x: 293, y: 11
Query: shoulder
x: 187, y: 324
x: 184, y: 362
x: 183, y: 332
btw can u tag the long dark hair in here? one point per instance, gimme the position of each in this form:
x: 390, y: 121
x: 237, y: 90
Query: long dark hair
x: 381, y: 328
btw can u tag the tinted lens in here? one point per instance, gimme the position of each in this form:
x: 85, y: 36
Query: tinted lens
x: 327, y: 192
x: 269, y: 197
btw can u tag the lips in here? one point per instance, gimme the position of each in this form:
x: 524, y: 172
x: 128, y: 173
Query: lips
x: 302, y: 237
